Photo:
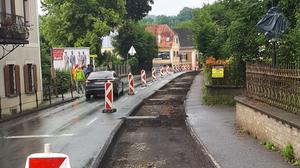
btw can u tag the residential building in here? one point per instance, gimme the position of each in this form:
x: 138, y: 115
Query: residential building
x: 168, y: 44
x: 107, y: 46
x: 188, y: 53
x: 20, y: 61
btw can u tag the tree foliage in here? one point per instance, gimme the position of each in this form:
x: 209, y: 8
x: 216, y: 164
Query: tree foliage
x: 228, y: 28
x: 132, y: 34
x: 183, y: 17
x: 137, y: 10
x: 80, y: 23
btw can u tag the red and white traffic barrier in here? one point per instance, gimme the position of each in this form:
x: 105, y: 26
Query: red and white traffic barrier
x: 48, y: 160
x: 109, y: 98
x: 143, y: 78
x: 167, y: 69
x: 131, y: 84
x: 161, y: 72
x: 154, y: 77
x: 197, y: 66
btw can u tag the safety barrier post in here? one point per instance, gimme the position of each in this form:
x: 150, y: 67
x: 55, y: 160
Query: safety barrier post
x: 143, y: 78
x: 154, y: 78
x: 0, y: 109
x: 131, y: 84
x: 20, y: 102
x: 168, y: 69
x: 108, y: 107
x: 62, y: 92
x: 48, y: 159
x: 36, y: 98
x: 161, y: 72
x: 71, y: 87
x: 49, y: 92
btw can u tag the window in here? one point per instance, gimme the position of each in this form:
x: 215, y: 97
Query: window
x: 30, y: 78
x: 12, y: 80
x: 9, y: 6
x: 1, y: 6
x: 167, y: 39
x: 26, y: 11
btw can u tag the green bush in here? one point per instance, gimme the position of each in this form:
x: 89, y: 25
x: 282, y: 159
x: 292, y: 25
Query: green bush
x: 270, y: 146
x: 63, y: 79
x: 134, y: 65
x: 288, y: 152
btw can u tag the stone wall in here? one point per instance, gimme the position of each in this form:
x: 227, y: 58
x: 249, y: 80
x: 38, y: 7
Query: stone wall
x: 268, y: 128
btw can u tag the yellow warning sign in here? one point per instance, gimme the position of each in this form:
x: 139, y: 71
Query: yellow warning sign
x: 93, y: 55
x: 217, y: 72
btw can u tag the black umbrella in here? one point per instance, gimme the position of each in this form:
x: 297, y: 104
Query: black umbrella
x: 273, y: 24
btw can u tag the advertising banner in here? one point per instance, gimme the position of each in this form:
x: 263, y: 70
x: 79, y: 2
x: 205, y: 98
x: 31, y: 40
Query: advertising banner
x: 66, y: 58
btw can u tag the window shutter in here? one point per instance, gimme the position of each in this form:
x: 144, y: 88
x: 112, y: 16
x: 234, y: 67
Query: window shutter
x: 26, y: 82
x: 35, y: 77
x: 6, y: 80
x: 18, y: 86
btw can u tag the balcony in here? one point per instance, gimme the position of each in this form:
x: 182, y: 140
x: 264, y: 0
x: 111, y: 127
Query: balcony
x: 13, y: 30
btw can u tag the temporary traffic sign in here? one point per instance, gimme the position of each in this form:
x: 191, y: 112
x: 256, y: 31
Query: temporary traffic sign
x: 131, y: 51
x: 48, y: 160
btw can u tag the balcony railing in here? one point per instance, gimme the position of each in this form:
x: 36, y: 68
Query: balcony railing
x: 13, y: 29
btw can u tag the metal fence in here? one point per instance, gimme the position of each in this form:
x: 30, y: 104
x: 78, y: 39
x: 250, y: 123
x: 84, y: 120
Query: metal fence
x: 23, y: 102
x: 121, y: 69
x: 279, y: 87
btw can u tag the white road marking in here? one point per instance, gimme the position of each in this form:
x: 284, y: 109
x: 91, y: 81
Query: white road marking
x: 37, y: 136
x: 91, y: 122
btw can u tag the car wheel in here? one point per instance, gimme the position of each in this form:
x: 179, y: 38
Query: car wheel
x: 88, y: 97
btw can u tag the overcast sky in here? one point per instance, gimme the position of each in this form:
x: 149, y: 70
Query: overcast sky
x: 173, y: 7
x: 170, y: 7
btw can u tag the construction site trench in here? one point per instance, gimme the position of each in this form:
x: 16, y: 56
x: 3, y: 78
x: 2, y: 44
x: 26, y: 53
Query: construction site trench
x: 156, y: 134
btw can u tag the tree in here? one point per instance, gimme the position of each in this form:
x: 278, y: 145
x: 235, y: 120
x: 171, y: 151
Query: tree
x: 71, y: 23
x: 132, y: 34
x: 185, y: 14
x: 137, y: 10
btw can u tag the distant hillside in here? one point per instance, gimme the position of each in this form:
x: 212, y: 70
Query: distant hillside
x: 182, y: 20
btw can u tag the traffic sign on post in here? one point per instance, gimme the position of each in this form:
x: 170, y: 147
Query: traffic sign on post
x: 131, y: 51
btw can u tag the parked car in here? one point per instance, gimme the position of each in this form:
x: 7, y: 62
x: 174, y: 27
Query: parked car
x: 95, y: 83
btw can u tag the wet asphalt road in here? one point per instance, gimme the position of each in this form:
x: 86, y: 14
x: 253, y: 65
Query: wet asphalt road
x: 62, y: 127
x: 76, y: 129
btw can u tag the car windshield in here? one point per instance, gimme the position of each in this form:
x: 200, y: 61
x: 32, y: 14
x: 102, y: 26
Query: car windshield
x: 100, y: 75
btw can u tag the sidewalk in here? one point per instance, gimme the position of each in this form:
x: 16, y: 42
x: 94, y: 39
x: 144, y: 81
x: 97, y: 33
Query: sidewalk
x: 214, y: 127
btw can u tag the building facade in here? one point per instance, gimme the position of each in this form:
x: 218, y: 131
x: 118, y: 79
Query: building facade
x: 20, y: 61
x: 188, y: 54
x: 175, y: 46
x: 168, y: 44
